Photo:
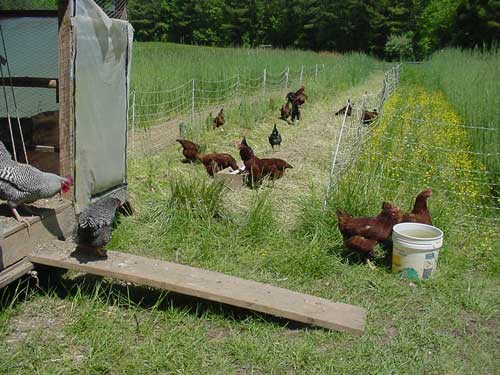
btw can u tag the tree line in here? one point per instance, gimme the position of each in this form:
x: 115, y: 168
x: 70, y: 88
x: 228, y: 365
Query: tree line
x: 385, y: 28
x: 408, y: 29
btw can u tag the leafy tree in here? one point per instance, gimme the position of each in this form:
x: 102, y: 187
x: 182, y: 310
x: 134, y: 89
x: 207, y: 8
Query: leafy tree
x: 399, y: 46
x: 477, y: 23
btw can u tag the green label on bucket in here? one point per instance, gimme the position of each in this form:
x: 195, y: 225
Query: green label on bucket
x: 410, y: 273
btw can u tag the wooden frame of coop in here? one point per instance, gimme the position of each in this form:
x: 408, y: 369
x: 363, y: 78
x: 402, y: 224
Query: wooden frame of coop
x: 53, y: 145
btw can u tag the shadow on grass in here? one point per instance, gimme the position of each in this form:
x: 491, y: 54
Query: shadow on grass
x: 383, y: 260
x: 54, y: 281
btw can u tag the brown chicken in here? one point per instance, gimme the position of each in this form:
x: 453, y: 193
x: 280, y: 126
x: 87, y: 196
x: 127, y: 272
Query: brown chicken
x: 361, y: 234
x: 190, y: 149
x: 258, y: 169
x: 420, y: 212
x: 217, y: 162
x: 213, y: 162
x: 286, y: 111
x: 347, y: 107
x: 367, y: 117
x: 219, y: 120
x: 296, y: 99
x: 300, y: 97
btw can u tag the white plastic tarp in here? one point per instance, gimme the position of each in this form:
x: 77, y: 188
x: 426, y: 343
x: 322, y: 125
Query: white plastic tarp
x: 101, y: 76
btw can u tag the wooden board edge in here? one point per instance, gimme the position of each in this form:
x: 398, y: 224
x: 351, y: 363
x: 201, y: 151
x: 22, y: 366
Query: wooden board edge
x: 34, y: 219
x: 14, y: 272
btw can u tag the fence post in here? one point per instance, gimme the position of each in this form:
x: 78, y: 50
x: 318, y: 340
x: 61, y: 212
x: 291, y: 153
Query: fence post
x: 192, y: 105
x: 237, y: 85
x: 264, y: 77
x: 133, y: 122
x: 287, y: 73
x: 316, y: 72
x: 301, y: 74
x: 335, y: 155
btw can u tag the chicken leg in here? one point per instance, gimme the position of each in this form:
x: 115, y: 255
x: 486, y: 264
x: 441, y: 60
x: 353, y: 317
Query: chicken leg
x: 370, y: 264
x: 19, y: 217
x: 101, y: 252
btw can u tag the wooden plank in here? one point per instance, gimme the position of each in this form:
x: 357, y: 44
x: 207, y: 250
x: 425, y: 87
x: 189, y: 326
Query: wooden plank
x: 49, y: 83
x: 19, y: 241
x: 209, y: 285
x: 14, y: 272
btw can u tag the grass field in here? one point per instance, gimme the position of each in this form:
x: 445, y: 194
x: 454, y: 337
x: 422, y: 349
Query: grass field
x: 471, y: 84
x: 281, y: 235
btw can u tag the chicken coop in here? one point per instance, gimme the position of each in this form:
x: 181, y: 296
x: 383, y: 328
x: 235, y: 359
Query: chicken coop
x: 64, y: 82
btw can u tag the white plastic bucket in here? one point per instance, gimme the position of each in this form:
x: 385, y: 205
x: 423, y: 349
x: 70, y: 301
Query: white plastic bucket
x: 415, y: 249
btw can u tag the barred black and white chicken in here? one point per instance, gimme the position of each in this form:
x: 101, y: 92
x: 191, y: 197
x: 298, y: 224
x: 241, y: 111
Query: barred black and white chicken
x: 95, y: 225
x: 23, y: 183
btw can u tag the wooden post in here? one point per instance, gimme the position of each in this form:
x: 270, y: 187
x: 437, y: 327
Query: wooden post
x: 301, y: 74
x: 287, y: 73
x: 316, y: 71
x: 66, y: 110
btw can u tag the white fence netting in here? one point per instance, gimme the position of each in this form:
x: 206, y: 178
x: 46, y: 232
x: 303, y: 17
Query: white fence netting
x: 188, y: 102
x: 473, y: 186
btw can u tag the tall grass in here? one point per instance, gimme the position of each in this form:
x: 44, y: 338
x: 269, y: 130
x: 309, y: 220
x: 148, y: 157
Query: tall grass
x: 157, y: 66
x: 163, y: 74
x: 470, y: 80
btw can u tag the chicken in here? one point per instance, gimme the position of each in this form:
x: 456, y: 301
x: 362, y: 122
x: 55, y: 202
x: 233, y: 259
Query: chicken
x: 295, y: 112
x: 275, y: 138
x: 217, y: 162
x: 368, y: 117
x: 190, y: 149
x: 420, y: 212
x: 300, y: 97
x: 296, y: 99
x: 95, y: 225
x: 290, y: 97
x: 22, y: 183
x: 286, y: 111
x: 347, y: 107
x: 258, y: 169
x: 219, y: 119
x: 213, y: 162
x: 361, y: 234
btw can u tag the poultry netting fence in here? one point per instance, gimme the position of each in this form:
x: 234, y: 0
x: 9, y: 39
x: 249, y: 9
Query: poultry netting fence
x: 153, y: 113
x: 408, y: 148
x: 355, y: 128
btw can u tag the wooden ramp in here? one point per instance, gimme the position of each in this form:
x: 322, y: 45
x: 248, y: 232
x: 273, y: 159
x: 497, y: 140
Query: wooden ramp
x: 212, y: 286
